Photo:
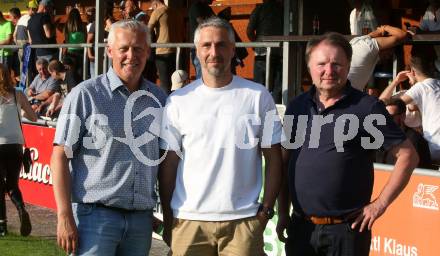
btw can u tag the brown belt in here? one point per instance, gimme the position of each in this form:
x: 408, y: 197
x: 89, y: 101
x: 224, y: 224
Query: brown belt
x: 325, y: 220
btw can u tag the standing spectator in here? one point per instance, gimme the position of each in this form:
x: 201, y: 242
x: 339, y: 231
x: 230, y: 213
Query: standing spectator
x: 425, y: 94
x: 43, y: 85
x: 367, y: 50
x: 267, y: 20
x: 211, y: 192
x: 41, y: 30
x: 430, y: 23
x: 21, y: 30
x: 91, y: 39
x: 11, y: 149
x: 132, y: 11
x: 75, y: 33
x: 397, y: 109
x: 15, y: 15
x: 164, y: 25
x: 198, y: 11
x: 6, y: 38
x: 333, y: 212
x: 111, y: 180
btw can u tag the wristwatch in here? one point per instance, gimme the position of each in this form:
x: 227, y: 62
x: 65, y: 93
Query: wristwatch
x: 266, y: 211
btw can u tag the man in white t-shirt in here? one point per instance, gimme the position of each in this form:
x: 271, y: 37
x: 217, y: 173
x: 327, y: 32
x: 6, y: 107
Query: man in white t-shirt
x: 366, y: 51
x: 214, y: 131
x: 425, y: 94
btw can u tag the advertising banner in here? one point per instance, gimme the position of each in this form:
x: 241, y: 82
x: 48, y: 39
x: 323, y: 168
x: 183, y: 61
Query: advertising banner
x: 410, y: 226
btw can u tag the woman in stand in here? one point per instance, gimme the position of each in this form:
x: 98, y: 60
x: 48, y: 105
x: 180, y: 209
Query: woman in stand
x: 12, y: 102
x: 75, y: 33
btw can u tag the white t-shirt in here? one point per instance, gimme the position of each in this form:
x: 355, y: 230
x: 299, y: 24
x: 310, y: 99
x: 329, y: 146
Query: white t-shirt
x: 217, y: 180
x: 426, y: 96
x: 364, y: 59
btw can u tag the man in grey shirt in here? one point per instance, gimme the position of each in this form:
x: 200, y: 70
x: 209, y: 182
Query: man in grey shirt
x: 106, y: 150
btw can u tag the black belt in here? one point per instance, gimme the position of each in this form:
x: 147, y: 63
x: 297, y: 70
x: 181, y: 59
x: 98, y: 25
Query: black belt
x: 117, y: 209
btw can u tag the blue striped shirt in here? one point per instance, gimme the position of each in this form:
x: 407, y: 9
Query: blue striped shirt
x: 112, y: 144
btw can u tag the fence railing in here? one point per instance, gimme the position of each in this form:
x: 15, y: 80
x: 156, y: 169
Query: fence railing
x: 178, y: 46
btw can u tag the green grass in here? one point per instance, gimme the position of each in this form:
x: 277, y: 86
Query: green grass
x: 15, y: 245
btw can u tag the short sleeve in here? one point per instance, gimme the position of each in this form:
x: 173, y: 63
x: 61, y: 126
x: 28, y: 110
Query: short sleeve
x: 252, y: 25
x: 170, y: 135
x: 271, y: 128
x: 153, y: 19
x: 54, y: 85
x: 392, y: 133
x: 416, y: 92
x: 70, y: 126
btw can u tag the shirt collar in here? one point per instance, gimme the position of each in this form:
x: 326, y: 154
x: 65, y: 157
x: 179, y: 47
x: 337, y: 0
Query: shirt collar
x: 116, y: 82
x: 348, y: 89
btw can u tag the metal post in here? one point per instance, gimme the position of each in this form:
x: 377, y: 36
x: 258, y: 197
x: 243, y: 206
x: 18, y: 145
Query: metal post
x: 60, y: 54
x: 267, y: 80
x: 99, y: 35
x: 85, y: 63
x: 178, y: 58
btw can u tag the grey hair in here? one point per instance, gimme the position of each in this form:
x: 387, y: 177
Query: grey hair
x: 217, y: 22
x: 42, y: 61
x: 132, y: 25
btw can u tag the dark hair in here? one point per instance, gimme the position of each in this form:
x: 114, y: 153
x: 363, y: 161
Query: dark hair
x: 57, y: 66
x: 15, y: 12
x: 401, y: 107
x: 331, y: 38
x: 423, y: 59
x: 74, y: 23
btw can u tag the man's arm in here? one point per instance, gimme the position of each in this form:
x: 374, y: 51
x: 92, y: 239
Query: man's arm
x: 273, y: 174
x: 387, y: 93
x: 283, y: 198
x: 47, y: 30
x: 407, y: 160
x: 167, y: 182
x: 67, y: 234
x: 44, y: 95
x: 387, y: 36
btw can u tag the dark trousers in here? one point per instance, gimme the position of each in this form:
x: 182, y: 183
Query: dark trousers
x: 166, y: 65
x: 308, y: 239
x: 11, y: 156
x: 275, y: 75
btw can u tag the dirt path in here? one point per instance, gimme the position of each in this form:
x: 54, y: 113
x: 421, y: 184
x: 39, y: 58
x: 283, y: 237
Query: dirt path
x: 44, y: 225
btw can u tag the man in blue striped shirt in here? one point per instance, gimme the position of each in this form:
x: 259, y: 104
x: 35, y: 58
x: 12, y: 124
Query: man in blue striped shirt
x: 106, y: 153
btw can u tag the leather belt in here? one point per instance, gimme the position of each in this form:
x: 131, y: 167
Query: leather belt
x: 325, y: 220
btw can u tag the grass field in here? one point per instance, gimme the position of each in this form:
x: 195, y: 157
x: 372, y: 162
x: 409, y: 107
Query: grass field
x: 14, y: 245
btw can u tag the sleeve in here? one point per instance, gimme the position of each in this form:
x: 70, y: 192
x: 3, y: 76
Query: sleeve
x: 71, y: 122
x: 9, y: 30
x: 92, y: 28
x: 416, y: 93
x: 54, y: 85
x: 170, y: 134
x: 32, y: 86
x: 271, y: 129
x: 153, y: 19
x: 424, y: 22
x: 46, y: 20
x: 392, y: 133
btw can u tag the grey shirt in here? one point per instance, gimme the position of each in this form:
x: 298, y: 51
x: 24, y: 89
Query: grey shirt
x: 40, y: 85
x: 112, y: 144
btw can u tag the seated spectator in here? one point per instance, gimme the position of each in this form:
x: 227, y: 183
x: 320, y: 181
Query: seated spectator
x: 396, y: 108
x: 67, y: 81
x: 178, y: 79
x: 43, y: 85
x: 366, y: 51
x: 425, y: 94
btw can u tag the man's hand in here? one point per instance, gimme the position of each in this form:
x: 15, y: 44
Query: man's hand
x: 283, y: 223
x: 402, y: 76
x: 368, y: 215
x: 262, y: 219
x: 67, y: 234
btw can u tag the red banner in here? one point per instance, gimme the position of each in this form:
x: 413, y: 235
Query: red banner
x: 36, y: 186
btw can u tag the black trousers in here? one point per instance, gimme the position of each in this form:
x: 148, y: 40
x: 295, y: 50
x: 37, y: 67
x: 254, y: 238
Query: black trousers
x: 308, y: 239
x: 166, y: 65
x: 11, y: 157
